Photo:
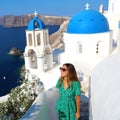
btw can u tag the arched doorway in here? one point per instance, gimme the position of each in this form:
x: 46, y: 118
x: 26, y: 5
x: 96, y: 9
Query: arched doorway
x: 33, y: 58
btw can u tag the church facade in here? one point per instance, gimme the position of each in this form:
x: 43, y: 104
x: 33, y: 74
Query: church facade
x: 88, y: 37
x: 38, y: 51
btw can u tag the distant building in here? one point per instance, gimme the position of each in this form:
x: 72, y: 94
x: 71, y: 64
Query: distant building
x: 113, y: 6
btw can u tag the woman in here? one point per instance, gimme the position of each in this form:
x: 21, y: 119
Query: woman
x: 68, y: 103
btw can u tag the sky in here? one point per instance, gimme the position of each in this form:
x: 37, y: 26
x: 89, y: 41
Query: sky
x: 48, y: 7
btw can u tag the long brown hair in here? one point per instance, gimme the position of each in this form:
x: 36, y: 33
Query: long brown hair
x: 72, y: 74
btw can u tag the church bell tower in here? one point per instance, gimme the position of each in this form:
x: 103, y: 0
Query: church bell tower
x: 38, y: 52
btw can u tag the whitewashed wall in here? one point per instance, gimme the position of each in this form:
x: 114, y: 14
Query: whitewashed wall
x: 88, y: 42
x: 105, y: 90
x: 44, y: 106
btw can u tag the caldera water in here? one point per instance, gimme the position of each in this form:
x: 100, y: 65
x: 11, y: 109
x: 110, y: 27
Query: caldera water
x: 10, y: 65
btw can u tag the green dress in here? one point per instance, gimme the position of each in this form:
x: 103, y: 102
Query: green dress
x: 66, y: 104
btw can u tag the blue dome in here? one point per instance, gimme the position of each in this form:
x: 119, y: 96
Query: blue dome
x: 88, y: 22
x: 36, y: 23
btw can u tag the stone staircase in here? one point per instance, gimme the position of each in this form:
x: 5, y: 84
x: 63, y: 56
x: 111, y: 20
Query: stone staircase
x: 84, y: 110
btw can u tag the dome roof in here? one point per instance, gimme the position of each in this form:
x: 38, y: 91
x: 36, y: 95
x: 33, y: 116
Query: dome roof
x: 36, y: 23
x: 88, y: 22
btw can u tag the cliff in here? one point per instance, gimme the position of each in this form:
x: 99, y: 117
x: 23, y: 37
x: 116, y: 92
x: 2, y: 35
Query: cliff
x: 56, y: 39
x: 14, y: 21
x: 15, y: 51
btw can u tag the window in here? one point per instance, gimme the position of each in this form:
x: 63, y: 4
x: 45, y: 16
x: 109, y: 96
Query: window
x: 79, y: 47
x: 45, y: 40
x: 112, y: 7
x: 38, y: 39
x: 97, y: 47
x: 36, y: 25
x: 30, y: 40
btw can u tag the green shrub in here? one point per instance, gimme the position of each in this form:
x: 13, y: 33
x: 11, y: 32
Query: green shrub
x: 19, y: 101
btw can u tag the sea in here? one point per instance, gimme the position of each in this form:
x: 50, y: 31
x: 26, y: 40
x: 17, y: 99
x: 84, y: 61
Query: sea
x: 10, y: 65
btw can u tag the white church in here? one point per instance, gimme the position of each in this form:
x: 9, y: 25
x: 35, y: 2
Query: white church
x: 91, y: 43
x: 88, y: 36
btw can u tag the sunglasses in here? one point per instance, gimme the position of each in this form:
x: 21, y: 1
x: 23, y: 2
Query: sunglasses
x: 63, y: 69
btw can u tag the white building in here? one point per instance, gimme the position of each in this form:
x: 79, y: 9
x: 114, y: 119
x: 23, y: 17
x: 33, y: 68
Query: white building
x: 105, y: 77
x: 88, y: 43
x: 87, y: 36
x: 87, y: 40
x: 38, y: 51
x: 114, y: 6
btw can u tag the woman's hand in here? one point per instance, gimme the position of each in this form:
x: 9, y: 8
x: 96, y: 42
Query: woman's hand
x: 77, y: 115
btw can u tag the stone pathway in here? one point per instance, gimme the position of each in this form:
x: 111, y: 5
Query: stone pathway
x: 84, y: 111
x: 84, y: 107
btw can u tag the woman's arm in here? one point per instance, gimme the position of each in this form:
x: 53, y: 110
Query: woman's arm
x: 78, y: 106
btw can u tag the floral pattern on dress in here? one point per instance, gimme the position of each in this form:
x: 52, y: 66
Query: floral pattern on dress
x: 66, y: 104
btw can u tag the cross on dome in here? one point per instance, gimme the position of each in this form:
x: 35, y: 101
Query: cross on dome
x: 35, y: 13
x: 87, y: 6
